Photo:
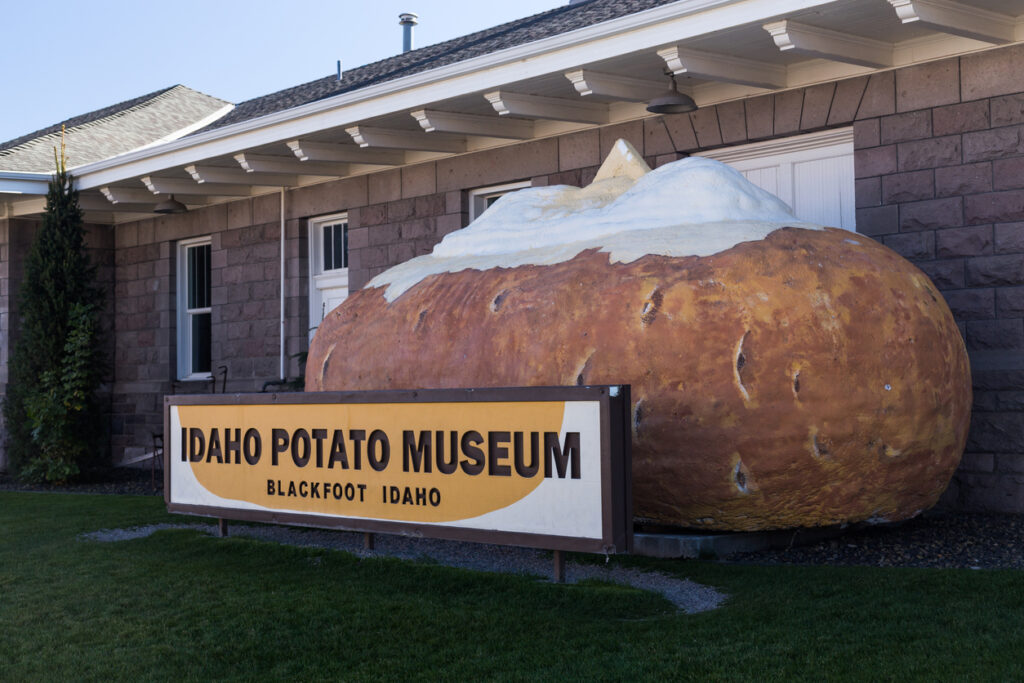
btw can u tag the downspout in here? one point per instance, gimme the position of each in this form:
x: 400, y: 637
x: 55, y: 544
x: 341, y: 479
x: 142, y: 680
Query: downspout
x: 282, y: 286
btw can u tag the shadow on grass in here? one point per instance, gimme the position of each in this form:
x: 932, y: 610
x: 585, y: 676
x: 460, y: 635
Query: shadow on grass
x: 180, y: 604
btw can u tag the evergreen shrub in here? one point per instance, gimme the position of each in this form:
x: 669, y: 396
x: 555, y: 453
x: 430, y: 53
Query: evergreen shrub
x: 52, y: 411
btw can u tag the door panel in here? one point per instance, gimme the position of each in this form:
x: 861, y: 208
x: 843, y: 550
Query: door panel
x: 812, y: 173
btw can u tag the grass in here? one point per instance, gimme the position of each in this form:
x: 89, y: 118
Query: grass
x: 182, y: 605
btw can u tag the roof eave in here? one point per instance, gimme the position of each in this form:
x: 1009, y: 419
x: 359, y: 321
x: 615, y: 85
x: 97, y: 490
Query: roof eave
x: 23, y: 183
x: 663, y: 25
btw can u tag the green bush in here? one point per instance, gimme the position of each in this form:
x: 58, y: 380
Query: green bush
x: 58, y: 408
x: 52, y: 412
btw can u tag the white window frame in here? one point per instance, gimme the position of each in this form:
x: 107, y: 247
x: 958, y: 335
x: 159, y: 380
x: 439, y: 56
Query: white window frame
x: 836, y: 142
x: 318, y: 278
x: 185, y: 314
x: 478, y: 198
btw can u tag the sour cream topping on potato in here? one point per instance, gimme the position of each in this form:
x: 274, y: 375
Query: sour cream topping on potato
x: 691, y: 207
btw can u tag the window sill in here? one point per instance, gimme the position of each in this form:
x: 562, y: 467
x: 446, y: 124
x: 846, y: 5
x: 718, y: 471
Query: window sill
x: 331, y: 276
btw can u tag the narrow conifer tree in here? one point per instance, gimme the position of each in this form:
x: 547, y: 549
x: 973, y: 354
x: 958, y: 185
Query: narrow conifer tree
x: 52, y: 412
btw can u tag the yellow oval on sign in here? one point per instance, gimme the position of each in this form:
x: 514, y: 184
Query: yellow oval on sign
x: 411, y: 462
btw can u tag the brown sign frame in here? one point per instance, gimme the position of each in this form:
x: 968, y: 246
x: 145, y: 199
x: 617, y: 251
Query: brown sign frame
x: 615, y: 462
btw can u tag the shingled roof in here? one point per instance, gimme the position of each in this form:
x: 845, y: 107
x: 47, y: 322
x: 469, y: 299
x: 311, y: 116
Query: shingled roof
x: 544, y: 25
x: 157, y: 117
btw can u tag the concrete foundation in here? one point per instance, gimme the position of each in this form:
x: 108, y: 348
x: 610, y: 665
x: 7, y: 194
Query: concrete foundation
x: 718, y: 546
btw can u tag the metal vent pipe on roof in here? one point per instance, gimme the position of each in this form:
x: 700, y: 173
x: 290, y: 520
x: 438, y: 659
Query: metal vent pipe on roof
x: 407, y: 21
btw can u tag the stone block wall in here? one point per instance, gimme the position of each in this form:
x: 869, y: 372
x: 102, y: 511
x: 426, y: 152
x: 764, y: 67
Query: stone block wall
x: 404, y: 212
x: 244, y: 278
x: 940, y: 179
x: 939, y: 156
x: 393, y: 215
x: 15, y: 236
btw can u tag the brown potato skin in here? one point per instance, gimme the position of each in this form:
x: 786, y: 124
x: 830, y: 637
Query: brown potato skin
x: 807, y: 379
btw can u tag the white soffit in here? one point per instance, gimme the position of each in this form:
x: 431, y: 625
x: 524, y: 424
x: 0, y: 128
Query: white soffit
x: 958, y: 18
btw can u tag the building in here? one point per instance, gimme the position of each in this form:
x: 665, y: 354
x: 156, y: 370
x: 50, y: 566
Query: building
x: 900, y: 119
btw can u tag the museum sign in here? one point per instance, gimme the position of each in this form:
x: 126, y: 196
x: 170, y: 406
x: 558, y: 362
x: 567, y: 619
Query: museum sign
x: 544, y: 467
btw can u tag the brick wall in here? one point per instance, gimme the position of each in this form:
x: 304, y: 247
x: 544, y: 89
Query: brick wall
x: 15, y: 234
x: 405, y: 212
x: 393, y: 216
x: 940, y: 179
x: 244, y: 276
x: 99, y: 243
x: 939, y: 161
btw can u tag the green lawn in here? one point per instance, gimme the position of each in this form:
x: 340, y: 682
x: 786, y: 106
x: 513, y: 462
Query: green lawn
x: 180, y: 604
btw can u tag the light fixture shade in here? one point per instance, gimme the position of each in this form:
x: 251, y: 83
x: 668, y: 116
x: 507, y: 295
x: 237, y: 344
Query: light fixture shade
x: 170, y: 205
x: 672, y: 101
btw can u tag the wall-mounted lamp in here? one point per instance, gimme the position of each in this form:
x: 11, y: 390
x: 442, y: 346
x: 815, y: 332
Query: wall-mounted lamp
x: 171, y: 205
x: 672, y: 101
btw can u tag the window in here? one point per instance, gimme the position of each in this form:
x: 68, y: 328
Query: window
x: 480, y: 200
x: 334, y: 245
x: 328, y: 266
x: 194, y: 328
x: 812, y: 173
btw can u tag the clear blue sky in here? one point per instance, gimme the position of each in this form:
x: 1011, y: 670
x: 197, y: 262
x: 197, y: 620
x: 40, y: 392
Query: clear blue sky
x: 61, y: 59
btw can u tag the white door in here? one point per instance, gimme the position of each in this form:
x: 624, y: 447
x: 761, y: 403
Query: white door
x: 328, y: 266
x: 812, y: 173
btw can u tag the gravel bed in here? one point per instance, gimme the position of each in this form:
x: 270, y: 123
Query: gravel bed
x: 936, y: 539
x: 135, y: 481
x: 684, y: 594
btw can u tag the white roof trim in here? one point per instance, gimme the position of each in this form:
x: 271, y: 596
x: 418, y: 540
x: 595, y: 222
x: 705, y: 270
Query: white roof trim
x: 16, y: 182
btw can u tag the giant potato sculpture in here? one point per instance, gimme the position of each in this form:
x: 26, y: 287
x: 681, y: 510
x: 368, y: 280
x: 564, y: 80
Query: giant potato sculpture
x: 782, y: 374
